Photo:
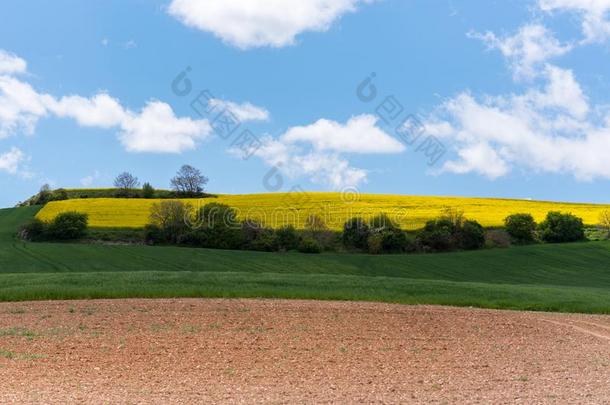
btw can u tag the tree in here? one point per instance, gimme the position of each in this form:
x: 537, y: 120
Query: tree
x: 604, y: 221
x: 355, y: 234
x: 172, y: 218
x: 189, y: 181
x: 126, y: 182
x: 148, y: 191
x: 471, y: 235
x: 69, y: 225
x: 44, y: 195
x: 521, y: 227
x: 558, y: 228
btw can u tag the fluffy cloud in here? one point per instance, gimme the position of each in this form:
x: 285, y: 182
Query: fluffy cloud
x: 154, y: 129
x: 157, y: 129
x: 11, y: 64
x: 527, y: 50
x: 257, y: 23
x: 317, y: 151
x: 10, y: 161
x: 594, y: 14
x: 359, y: 135
x: 244, y: 112
x: 552, y: 129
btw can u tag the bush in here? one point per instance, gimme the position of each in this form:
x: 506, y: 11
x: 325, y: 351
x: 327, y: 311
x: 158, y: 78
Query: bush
x: 148, y: 191
x: 438, y: 235
x: 497, y: 238
x: 287, y: 238
x: 265, y: 241
x: 60, y: 195
x: 153, y: 235
x: 34, y: 231
x: 309, y: 245
x: 355, y: 234
x: 471, y: 235
x: 521, y: 227
x: 375, y: 244
x: 69, y: 226
x: 558, y: 228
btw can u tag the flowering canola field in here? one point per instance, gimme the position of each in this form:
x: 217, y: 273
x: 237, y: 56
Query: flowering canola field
x: 278, y: 209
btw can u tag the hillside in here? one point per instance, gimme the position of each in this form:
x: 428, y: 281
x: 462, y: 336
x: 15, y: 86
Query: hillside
x: 571, y: 278
x: 278, y: 209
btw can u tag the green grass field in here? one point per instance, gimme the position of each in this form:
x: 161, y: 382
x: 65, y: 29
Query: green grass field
x: 566, y: 278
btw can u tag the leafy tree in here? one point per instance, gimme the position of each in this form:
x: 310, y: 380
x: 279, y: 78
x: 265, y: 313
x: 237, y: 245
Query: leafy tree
x: 44, y: 195
x: 438, y: 235
x: 189, y: 181
x: 558, y: 228
x: 148, y: 191
x: 471, y: 235
x: 287, y: 238
x: 69, y: 226
x: 309, y: 245
x: 355, y: 234
x: 34, y: 231
x: 521, y: 227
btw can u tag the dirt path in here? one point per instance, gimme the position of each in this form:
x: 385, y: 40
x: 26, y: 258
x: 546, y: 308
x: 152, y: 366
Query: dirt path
x: 185, y: 351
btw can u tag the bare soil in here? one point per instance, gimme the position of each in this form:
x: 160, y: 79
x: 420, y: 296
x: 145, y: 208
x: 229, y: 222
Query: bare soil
x: 193, y: 350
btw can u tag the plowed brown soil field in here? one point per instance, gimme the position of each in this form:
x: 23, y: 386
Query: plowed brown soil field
x: 192, y: 350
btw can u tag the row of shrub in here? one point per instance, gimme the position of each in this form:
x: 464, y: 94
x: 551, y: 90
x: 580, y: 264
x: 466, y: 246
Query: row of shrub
x: 215, y: 226
x: 556, y: 228
x: 65, y: 226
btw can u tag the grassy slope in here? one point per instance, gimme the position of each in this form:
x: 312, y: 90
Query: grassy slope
x: 573, y: 278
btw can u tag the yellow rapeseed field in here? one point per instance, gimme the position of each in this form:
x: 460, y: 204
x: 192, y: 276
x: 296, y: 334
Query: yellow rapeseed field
x: 278, y: 209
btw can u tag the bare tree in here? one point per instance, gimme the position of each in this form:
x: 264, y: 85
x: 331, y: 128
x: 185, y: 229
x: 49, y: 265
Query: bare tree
x: 604, y: 221
x: 126, y: 182
x: 189, y: 181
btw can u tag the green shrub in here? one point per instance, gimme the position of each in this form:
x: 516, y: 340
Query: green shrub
x: 60, y: 195
x: 148, y: 191
x: 355, y: 234
x: 287, y: 238
x: 34, y: 231
x: 438, y: 236
x: 266, y: 241
x: 497, y: 238
x: 172, y: 217
x: 471, y: 235
x: 558, y: 228
x: 309, y: 245
x: 375, y: 244
x: 69, y: 226
x: 521, y: 227
x: 153, y: 235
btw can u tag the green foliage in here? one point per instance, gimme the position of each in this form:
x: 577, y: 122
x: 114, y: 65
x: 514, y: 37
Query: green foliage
x: 34, y: 231
x: 558, y: 228
x: 172, y: 218
x: 521, y: 227
x: 68, y: 226
x: 148, y: 191
x: 355, y: 234
x: 438, y: 236
x: 287, y: 238
x: 471, y: 235
x: 309, y: 245
x: 375, y: 244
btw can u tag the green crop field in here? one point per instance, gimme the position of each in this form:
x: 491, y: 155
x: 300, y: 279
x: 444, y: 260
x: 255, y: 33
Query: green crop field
x: 567, y: 278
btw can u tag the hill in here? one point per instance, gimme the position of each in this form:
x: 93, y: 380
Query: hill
x: 569, y: 278
x: 278, y: 209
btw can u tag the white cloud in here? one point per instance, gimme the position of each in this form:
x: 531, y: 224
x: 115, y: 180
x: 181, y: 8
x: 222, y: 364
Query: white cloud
x: 359, y: 135
x: 258, y: 23
x: 155, y: 129
x: 11, y: 64
x: 10, y: 161
x: 527, y: 50
x: 244, y: 112
x: 317, y: 151
x: 552, y: 129
x: 594, y: 14
x: 88, y: 181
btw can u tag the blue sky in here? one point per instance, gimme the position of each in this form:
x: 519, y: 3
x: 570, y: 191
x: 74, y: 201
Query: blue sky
x: 510, y: 98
